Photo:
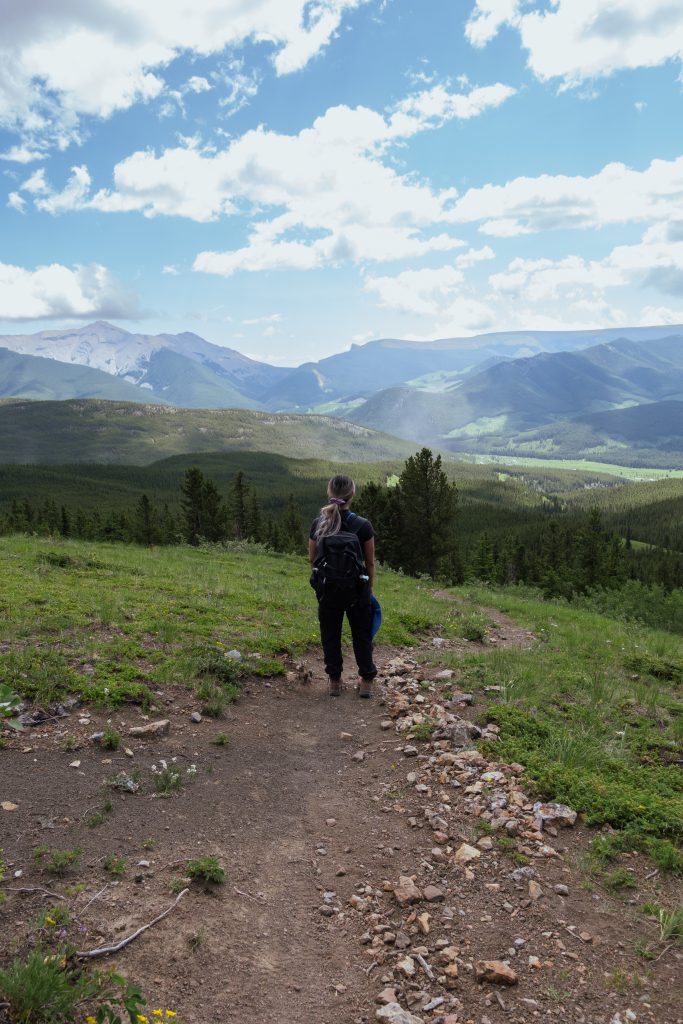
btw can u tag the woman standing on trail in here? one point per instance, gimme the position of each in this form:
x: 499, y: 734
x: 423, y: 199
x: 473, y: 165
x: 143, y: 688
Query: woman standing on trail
x: 341, y: 550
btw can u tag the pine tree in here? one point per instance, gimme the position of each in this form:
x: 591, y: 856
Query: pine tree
x: 145, y: 528
x: 427, y: 512
x: 212, y: 512
x: 293, y: 528
x: 191, y: 505
x: 237, y: 506
x: 64, y: 523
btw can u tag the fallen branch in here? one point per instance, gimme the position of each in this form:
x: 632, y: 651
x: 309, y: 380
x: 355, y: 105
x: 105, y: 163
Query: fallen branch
x: 95, y: 897
x: 425, y: 966
x: 663, y: 952
x: 46, y: 892
x: 257, y: 899
x: 117, y: 947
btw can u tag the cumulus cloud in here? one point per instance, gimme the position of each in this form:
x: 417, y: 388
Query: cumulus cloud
x: 576, y: 40
x: 16, y: 201
x: 615, y: 195
x: 58, y: 291
x: 52, y: 55
x: 334, y: 197
x: 654, y: 262
x: 437, y: 292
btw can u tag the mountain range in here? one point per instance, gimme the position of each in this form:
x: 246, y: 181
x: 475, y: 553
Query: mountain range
x: 531, y: 392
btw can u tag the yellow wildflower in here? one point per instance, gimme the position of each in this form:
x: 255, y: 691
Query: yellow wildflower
x: 90, y: 1020
x: 157, y: 1013
x: 50, y: 920
x: 141, y: 1017
x: 171, y: 1013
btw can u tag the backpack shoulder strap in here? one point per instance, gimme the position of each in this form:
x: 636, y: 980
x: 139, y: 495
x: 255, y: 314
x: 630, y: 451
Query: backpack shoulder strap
x: 353, y: 523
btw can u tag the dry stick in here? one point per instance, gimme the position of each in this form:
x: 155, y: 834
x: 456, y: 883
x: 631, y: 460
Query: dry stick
x: 663, y: 952
x: 425, y: 966
x: 107, y: 950
x: 257, y: 899
x: 46, y: 892
x: 95, y: 897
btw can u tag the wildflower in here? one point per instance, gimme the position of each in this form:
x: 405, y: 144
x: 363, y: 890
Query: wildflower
x: 90, y: 1020
x: 171, y: 1013
x: 142, y: 1019
x: 50, y: 920
x: 157, y: 1013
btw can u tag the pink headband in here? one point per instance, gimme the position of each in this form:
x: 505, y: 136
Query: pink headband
x: 338, y: 501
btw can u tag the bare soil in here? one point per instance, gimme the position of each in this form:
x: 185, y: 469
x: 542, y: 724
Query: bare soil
x: 291, y: 816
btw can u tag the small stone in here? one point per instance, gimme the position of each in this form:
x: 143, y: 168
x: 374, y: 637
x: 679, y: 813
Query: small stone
x: 75, y: 764
x: 535, y: 891
x: 345, y: 736
x: 340, y: 872
x: 466, y: 853
x: 406, y: 891
x: 234, y: 655
x: 330, y: 821
x: 485, y: 843
x: 359, y: 756
x: 585, y: 936
x: 143, y: 863
x: 554, y: 814
x: 387, y: 995
x: 423, y: 922
x: 154, y: 729
x: 326, y: 911
x: 7, y: 805
x: 561, y: 890
x: 535, y: 962
x: 494, y: 971
x: 406, y: 967
x: 410, y: 751
x: 195, y: 717
x: 445, y: 673
x: 433, y: 894
x: 96, y: 737
x: 385, y: 724
x: 392, y: 1013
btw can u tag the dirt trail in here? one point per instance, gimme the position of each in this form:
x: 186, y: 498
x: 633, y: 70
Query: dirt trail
x: 294, y: 818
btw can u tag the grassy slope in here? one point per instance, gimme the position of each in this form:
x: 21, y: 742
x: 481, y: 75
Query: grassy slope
x: 593, y: 709
x: 124, y: 432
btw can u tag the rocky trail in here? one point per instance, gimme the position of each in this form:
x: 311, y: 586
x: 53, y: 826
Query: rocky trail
x: 365, y: 874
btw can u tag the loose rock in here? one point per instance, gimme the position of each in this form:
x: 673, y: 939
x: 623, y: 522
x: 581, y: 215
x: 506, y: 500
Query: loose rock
x: 153, y: 729
x: 495, y: 971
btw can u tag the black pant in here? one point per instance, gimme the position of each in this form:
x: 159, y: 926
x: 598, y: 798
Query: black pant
x: 360, y: 621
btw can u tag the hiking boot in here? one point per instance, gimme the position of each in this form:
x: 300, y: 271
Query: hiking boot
x: 365, y: 688
x: 335, y: 687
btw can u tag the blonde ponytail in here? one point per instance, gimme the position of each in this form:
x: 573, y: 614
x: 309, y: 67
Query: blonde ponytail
x: 340, y: 491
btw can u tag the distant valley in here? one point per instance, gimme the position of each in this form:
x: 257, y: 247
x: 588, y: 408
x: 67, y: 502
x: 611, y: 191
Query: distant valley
x: 526, y: 393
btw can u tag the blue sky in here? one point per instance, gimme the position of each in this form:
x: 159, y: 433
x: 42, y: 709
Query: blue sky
x: 287, y: 177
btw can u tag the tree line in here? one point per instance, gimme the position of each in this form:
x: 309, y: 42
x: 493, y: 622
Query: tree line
x: 418, y: 520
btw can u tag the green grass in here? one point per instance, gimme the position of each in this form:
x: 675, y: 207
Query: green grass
x: 113, y: 622
x: 593, y: 711
x: 577, y: 465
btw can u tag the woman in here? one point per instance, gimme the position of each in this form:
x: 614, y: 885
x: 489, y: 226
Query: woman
x: 337, y: 521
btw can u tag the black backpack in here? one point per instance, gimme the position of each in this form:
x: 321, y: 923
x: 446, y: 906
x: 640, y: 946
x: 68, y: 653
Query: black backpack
x: 339, y: 576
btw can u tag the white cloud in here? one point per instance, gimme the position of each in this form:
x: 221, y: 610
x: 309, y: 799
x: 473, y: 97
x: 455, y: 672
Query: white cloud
x: 170, y: 269
x: 615, y: 195
x: 197, y: 83
x: 58, y: 291
x: 655, y: 262
x: 335, y: 198
x: 270, y: 318
x: 52, y: 56
x: 15, y: 201
x: 583, y: 39
x: 437, y: 292
x: 236, y: 85
x: 22, y: 155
